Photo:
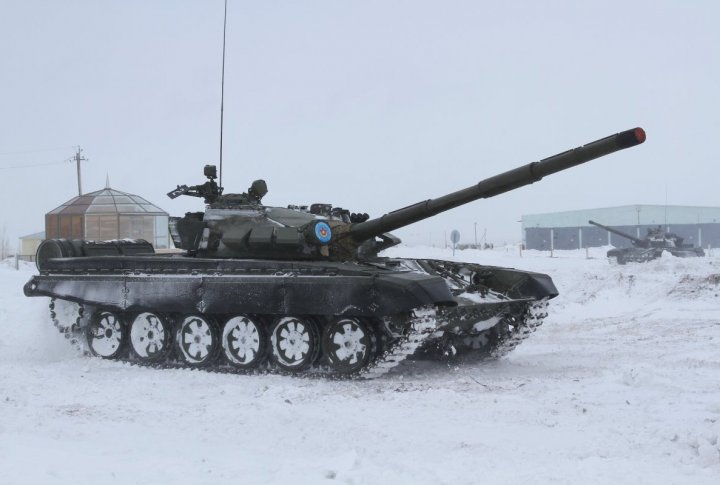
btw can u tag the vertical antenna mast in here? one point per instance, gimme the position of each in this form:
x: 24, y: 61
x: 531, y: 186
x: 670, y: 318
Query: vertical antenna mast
x: 222, y: 93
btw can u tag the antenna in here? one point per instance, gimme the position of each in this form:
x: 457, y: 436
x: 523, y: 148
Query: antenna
x: 222, y: 92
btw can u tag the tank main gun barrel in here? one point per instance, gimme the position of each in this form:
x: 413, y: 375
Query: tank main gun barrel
x: 498, y: 184
x: 636, y: 241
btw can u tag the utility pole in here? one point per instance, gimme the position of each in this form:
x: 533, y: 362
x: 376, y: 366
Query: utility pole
x: 79, y: 158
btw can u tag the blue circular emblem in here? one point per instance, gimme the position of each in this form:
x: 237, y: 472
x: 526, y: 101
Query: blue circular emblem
x: 323, y: 232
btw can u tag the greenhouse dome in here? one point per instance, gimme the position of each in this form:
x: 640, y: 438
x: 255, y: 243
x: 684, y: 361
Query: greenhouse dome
x: 108, y: 214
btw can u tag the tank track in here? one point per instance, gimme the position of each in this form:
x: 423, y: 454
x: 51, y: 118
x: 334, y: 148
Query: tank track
x: 420, y: 329
x: 421, y: 326
x: 531, y: 321
x: 498, y: 341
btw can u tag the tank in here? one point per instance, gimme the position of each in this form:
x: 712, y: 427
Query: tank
x: 650, y: 247
x: 298, y: 289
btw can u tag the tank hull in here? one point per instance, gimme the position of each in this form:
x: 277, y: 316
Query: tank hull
x: 467, y: 301
x: 641, y: 255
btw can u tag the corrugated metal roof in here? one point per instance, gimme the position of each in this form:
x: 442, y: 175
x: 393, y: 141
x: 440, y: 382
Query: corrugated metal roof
x: 627, y: 215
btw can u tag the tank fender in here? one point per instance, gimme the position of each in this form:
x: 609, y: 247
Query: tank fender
x: 358, y: 295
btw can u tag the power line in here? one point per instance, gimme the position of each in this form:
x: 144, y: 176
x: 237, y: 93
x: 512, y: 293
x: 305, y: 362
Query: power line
x: 19, y: 152
x: 36, y: 164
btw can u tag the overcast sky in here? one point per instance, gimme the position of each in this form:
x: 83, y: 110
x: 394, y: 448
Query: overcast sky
x: 368, y: 105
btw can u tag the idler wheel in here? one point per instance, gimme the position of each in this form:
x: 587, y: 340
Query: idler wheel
x: 294, y: 343
x: 197, y: 341
x: 244, y: 342
x: 348, y: 344
x: 150, y: 337
x: 106, y: 335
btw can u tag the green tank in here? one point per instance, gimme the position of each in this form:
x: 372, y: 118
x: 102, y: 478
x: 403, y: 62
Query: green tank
x: 296, y: 289
x: 652, y: 246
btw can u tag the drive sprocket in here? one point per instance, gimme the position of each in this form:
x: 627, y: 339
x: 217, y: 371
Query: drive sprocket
x: 68, y: 318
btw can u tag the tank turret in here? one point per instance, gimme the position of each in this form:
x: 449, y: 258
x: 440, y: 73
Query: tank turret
x: 239, y: 226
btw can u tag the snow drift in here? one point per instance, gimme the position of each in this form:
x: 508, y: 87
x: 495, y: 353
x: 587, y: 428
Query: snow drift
x: 620, y: 385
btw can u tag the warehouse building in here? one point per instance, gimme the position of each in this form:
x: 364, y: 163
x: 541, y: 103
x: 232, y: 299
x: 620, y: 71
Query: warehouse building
x: 29, y: 244
x: 699, y: 226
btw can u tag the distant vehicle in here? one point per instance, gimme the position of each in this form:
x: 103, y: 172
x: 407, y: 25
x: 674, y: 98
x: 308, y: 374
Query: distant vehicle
x: 650, y: 247
x: 296, y: 289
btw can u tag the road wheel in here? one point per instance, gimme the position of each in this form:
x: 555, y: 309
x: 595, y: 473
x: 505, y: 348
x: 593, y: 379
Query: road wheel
x: 106, y: 335
x: 150, y: 337
x: 197, y: 340
x: 294, y: 343
x: 348, y: 345
x: 244, y: 342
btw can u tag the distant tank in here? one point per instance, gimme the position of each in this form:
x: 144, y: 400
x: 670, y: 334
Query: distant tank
x: 295, y: 289
x: 650, y: 247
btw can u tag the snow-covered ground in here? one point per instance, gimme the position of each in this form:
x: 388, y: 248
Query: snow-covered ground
x: 620, y: 385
